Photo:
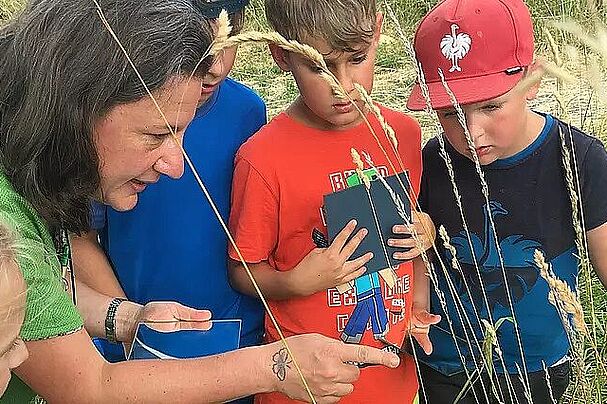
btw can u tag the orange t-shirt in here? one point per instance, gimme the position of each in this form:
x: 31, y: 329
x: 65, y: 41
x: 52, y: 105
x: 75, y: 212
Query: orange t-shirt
x: 280, y: 177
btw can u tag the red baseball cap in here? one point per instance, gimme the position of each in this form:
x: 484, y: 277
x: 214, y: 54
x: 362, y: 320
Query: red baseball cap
x: 481, y: 46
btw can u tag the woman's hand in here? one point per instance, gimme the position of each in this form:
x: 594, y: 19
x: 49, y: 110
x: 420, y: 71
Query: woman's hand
x: 160, y: 316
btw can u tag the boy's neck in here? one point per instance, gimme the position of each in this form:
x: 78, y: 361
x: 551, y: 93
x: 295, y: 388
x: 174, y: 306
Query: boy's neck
x: 535, y: 126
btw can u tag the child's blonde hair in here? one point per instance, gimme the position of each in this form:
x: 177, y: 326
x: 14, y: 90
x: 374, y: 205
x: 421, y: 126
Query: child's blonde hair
x: 12, y: 284
x: 343, y: 24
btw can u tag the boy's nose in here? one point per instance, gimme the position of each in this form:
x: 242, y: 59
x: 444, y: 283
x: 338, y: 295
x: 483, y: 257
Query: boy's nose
x: 474, y: 127
x: 345, y: 79
x: 217, y: 67
x: 170, y: 162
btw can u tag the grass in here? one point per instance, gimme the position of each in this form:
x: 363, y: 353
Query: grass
x: 582, y: 101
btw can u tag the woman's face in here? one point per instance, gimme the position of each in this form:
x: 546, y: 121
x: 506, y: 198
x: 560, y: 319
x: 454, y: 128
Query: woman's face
x: 12, y: 310
x: 135, y: 146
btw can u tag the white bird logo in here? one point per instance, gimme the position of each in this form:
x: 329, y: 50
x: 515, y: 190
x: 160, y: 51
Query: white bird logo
x: 455, y: 46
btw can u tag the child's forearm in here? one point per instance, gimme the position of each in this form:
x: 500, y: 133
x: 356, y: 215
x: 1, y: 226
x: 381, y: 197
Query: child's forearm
x: 421, y: 285
x: 275, y: 285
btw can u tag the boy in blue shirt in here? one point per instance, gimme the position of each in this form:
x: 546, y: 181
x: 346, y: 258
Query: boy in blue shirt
x: 170, y: 246
x: 484, y: 48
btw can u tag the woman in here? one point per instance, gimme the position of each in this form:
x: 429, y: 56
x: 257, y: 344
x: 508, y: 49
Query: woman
x: 76, y: 124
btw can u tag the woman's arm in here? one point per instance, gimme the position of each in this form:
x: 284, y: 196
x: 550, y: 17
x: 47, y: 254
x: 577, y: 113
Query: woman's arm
x: 92, y: 266
x: 68, y: 369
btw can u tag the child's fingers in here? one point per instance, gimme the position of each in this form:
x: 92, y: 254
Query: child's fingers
x: 402, y: 242
x: 341, y: 238
x: 426, y: 318
x: 415, y: 228
x: 353, y: 275
x: 358, y: 262
x: 353, y: 244
x: 423, y: 340
x: 406, y: 255
x: 401, y: 229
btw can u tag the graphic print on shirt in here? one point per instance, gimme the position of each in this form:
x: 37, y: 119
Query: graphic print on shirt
x: 517, y: 254
x: 338, y: 179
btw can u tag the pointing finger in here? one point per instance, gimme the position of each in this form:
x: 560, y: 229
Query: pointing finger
x: 369, y: 355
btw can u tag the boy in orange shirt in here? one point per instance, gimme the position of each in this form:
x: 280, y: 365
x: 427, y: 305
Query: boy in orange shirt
x: 280, y: 178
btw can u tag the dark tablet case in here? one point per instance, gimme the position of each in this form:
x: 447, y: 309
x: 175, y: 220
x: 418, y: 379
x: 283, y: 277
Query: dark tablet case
x: 353, y: 203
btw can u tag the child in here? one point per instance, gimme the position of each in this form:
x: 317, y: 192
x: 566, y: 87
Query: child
x: 161, y: 252
x: 484, y: 49
x: 12, y: 308
x: 280, y: 178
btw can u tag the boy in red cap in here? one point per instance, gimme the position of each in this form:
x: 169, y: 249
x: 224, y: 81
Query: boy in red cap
x: 484, y: 48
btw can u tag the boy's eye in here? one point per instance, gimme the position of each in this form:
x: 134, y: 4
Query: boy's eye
x: 316, y: 69
x: 358, y: 59
x: 12, y: 347
x: 15, y: 345
x: 491, y: 107
x: 449, y: 114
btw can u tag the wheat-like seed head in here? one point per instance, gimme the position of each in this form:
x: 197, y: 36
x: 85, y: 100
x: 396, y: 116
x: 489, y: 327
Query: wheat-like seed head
x: 358, y: 162
x: 377, y: 112
x: 224, y: 28
x: 447, y: 244
x: 290, y: 45
x: 561, y: 294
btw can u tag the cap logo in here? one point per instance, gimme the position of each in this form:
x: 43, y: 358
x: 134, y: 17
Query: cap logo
x: 455, y: 47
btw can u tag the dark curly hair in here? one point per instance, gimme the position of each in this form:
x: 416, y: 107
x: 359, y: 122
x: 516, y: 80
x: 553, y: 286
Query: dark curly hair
x: 61, y: 72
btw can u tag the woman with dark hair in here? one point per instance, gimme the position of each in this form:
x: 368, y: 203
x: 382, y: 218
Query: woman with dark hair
x: 76, y: 124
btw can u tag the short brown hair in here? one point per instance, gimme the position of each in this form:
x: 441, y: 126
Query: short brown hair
x: 343, y: 24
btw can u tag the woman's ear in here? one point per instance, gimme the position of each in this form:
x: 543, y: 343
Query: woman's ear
x: 280, y: 56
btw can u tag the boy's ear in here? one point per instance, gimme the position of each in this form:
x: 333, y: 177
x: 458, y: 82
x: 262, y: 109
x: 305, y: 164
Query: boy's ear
x: 534, y: 89
x: 379, y: 22
x: 280, y: 56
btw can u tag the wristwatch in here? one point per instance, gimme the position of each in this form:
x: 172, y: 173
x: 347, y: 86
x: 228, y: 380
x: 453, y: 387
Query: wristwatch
x: 110, y: 319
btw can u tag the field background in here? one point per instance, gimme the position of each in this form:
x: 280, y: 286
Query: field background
x: 582, y: 101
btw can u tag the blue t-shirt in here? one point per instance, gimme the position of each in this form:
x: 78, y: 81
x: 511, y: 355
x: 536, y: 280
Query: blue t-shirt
x: 171, y: 246
x: 531, y: 209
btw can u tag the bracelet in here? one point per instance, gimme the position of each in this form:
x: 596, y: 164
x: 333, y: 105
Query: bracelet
x: 110, y: 319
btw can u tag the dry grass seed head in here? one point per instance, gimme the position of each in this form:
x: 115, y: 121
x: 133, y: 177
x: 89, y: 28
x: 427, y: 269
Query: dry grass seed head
x: 360, y: 167
x: 377, y: 112
x: 561, y: 294
x: 224, y: 28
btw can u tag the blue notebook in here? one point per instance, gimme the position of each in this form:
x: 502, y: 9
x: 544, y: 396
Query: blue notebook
x: 353, y: 203
x: 223, y: 336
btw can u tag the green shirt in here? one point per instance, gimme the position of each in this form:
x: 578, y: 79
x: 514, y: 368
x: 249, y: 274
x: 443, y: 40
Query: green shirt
x: 50, y: 312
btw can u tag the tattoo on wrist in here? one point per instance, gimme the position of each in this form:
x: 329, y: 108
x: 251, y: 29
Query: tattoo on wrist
x: 281, y: 364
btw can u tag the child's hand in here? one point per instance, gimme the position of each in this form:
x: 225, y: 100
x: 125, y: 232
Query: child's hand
x: 420, y: 324
x: 325, y: 268
x: 424, y: 230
